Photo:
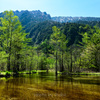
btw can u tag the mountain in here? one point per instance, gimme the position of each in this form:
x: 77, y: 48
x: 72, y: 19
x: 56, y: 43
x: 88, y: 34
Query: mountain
x: 39, y: 25
x: 75, y: 19
x: 43, y: 30
x: 29, y: 17
x: 32, y: 16
x: 36, y: 16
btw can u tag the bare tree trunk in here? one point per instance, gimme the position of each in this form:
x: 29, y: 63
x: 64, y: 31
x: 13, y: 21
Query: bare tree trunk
x: 9, y: 51
x: 8, y: 59
x: 80, y: 64
x: 62, y: 63
x: 37, y: 60
x: 56, y: 65
x: 8, y: 63
x: 71, y: 63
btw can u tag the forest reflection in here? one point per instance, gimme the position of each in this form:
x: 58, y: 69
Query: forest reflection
x: 47, y: 85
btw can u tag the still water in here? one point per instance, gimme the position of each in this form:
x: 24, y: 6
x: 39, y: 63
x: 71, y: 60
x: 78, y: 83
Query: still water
x: 45, y: 86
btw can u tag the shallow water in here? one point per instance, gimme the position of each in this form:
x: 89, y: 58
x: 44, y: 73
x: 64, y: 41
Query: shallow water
x: 45, y: 86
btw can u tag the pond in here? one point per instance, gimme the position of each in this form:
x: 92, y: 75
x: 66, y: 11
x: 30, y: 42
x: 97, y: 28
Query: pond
x: 46, y: 86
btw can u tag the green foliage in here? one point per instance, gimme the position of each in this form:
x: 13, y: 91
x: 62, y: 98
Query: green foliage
x: 92, y: 47
x: 43, y: 63
x: 8, y: 73
x: 46, y: 47
x: 52, y: 42
x: 41, y: 31
x: 55, y: 37
x: 13, y: 40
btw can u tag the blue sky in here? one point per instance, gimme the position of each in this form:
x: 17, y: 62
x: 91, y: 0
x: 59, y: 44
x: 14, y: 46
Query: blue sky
x: 85, y: 8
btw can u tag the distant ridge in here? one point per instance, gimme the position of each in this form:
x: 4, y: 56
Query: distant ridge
x: 75, y: 19
x: 38, y: 16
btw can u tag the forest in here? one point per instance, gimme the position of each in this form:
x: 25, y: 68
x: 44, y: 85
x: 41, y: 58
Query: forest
x: 66, y: 48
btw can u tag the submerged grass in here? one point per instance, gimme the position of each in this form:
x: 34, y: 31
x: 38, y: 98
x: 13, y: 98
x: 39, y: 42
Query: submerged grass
x: 26, y: 88
x: 50, y: 91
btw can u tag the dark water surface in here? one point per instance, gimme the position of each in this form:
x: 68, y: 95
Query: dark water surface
x: 43, y: 86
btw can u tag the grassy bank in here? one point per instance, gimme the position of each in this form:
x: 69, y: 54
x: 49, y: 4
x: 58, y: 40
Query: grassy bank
x: 10, y: 73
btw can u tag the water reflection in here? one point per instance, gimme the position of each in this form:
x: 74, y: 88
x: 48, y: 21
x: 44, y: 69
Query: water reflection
x: 46, y: 85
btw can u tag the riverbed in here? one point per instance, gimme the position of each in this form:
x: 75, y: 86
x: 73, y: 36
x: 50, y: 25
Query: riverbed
x: 46, y: 86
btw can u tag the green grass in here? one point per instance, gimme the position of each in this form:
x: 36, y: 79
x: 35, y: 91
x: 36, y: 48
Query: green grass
x: 38, y: 71
x: 33, y: 71
x: 41, y: 70
x: 5, y: 72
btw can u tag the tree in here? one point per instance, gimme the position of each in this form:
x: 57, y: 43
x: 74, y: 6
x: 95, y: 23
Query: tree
x: 63, y: 44
x: 55, y: 41
x: 58, y: 40
x: 13, y: 39
x: 91, y: 42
